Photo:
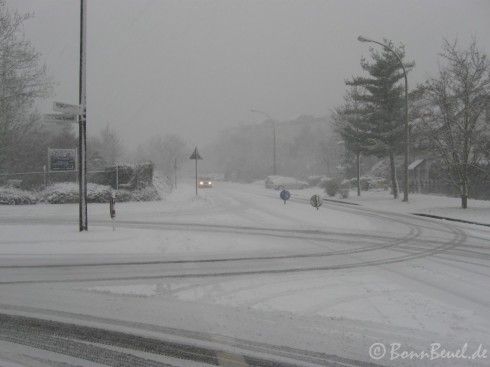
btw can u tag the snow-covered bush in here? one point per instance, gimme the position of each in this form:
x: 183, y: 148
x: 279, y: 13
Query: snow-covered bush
x: 65, y: 193
x: 14, y: 196
x: 336, y: 186
x: 162, y: 183
x: 332, y: 186
x: 129, y: 176
x: 148, y: 193
x: 344, y: 189
x: 98, y: 193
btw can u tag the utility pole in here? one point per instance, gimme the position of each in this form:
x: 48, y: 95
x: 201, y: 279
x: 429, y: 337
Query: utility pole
x: 82, y: 120
x: 175, y: 172
x: 195, y: 155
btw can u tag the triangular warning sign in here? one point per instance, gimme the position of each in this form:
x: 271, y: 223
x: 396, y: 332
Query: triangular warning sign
x: 195, y: 155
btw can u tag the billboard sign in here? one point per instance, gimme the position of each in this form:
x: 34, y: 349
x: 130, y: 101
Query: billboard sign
x: 62, y: 160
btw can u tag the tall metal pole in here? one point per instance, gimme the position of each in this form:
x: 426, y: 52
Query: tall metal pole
x: 274, y: 132
x: 117, y: 177
x: 407, y: 129
x: 274, y: 138
x: 196, y: 173
x: 407, y: 137
x: 195, y: 156
x: 175, y: 173
x: 82, y: 120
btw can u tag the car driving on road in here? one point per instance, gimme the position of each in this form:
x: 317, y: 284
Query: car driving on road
x: 205, y: 182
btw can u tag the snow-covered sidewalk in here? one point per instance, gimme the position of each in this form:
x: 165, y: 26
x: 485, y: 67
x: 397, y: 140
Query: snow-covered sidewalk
x: 478, y: 211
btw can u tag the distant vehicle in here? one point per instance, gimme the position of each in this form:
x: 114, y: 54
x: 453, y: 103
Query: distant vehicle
x: 283, y: 183
x: 317, y: 181
x: 205, y: 182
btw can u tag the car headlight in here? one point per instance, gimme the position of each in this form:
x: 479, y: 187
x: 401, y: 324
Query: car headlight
x: 201, y: 183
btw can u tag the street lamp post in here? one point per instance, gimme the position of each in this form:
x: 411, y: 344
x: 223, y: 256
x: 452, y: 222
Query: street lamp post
x: 407, y: 132
x: 274, y: 137
x: 82, y: 120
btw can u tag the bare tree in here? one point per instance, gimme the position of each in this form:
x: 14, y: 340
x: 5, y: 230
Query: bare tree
x: 22, y: 80
x: 105, y: 149
x: 455, y: 117
x: 164, y: 152
x: 111, y: 147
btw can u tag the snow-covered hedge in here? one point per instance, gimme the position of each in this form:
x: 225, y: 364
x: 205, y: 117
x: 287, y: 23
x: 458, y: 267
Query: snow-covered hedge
x: 336, y: 186
x: 13, y: 196
x: 162, y: 183
x: 130, y: 176
x: 64, y: 193
x: 67, y: 192
x: 145, y: 194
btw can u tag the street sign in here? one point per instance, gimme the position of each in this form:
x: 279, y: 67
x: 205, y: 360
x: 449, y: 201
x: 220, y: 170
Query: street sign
x: 56, y: 117
x: 66, y: 108
x: 285, y: 195
x: 195, y: 155
x: 316, y: 201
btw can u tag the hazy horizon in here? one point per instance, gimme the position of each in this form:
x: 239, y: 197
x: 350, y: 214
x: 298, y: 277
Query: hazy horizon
x: 193, y: 68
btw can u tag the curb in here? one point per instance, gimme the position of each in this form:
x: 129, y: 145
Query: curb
x: 451, y: 219
x: 341, y: 202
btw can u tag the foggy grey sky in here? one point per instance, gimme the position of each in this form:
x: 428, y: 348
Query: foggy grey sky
x: 194, y: 67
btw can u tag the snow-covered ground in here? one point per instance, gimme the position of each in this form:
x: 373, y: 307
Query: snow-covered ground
x: 478, y: 210
x: 442, y: 298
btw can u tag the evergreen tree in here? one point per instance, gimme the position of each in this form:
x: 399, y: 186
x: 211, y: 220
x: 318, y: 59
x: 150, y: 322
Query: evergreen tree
x: 353, y: 129
x: 383, y: 105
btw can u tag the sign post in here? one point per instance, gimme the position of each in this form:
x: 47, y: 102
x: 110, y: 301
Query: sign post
x: 112, y: 209
x: 316, y: 201
x: 195, y: 155
x: 70, y: 113
x: 74, y: 113
x: 285, y: 195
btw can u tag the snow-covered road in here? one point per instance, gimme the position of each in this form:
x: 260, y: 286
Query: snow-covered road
x: 237, y: 270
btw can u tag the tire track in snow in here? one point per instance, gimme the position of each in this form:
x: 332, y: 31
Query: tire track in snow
x: 458, y: 238
x: 405, y: 244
